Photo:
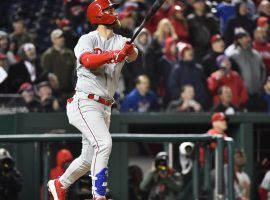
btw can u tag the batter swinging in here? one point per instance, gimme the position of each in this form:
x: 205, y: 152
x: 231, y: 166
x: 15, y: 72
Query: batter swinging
x: 100, y: 57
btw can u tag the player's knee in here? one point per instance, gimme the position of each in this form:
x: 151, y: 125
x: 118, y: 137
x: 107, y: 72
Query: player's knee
x: 85, y: 161
x: 106, y: 145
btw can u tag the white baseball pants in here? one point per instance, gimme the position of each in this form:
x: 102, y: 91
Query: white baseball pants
x: 92, y: 119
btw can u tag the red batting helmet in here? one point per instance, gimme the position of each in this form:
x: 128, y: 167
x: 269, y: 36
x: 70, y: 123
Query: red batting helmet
x: 96, y: 15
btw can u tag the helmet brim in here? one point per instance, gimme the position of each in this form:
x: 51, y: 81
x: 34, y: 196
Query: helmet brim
x: 115, y: 5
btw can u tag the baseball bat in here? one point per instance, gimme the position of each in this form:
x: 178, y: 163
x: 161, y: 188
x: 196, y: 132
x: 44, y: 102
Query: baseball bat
x: 152, y: 11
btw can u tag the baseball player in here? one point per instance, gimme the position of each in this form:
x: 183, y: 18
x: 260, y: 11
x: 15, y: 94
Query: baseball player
x: 100, y: 55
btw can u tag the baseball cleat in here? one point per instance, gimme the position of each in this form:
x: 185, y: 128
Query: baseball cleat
x: 56, y: 189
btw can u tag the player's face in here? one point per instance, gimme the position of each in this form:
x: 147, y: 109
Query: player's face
x: 110, y: 11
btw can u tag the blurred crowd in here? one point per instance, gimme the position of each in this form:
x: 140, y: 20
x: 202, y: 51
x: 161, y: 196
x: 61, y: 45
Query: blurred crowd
x: 194, y: 55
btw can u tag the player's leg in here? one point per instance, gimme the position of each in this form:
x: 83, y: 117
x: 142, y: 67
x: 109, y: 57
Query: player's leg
x: 98, y: 134
x: 79, y: 166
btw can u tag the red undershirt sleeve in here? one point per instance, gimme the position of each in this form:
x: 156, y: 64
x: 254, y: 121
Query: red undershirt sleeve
x: 94, y: 61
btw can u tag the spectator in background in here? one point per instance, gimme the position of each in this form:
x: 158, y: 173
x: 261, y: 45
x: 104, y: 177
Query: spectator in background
x: 127, y: 24
x: 263, y: 47
x: 225, y: 11
x: 164, y: 66
x: 141, y: 99
x: 226, y: 76
x: 20, y: 34
x: 264, y: 188
x: 187, y: 71
x: 219, y: 126
x: 186, y: 102
x: 28, y: 99
x: 4, y: 48
x: 202, y: 26
x: 163, y: 182
x: 250, y: 6
x: 134, y: 180
x: 48, y: 102
x: 60, y: 61
x: 263, y: 23
x: 241, y: 19
x: 251, y: 68
x: 162, y: 13
x: 3, y: 74
x: 179, y: 22
x: 63, y: 159
x: 263, y: 10
x: 137, y: 67
x: 242, y: 181
x: 10, y: 178
x: 70, y: 35
x: 27, y: 70
x: 225, y: 103
x: 266, y: 94
x: 209, y: 61
x: 155, y: 50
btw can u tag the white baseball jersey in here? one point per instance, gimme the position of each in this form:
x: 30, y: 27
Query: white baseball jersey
x: 104, y: 80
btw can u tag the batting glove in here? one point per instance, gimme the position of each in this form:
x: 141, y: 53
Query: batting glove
x: 129, y: 48
x: 119, y: 55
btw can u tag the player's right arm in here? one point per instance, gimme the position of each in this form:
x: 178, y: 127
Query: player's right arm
x: 84, y: 52
x: 94, y: 61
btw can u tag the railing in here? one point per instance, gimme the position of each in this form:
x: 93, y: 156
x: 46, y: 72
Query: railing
x: 46, y: 139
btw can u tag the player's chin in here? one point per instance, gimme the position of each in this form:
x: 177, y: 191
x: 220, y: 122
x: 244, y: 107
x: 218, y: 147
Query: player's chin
x: 115, y: 25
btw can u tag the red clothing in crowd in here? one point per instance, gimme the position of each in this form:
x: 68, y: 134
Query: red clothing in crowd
x: 264, y: 49
x: 181, y: 30
x: 160, y: 14
x: 168, y: 43
x: 233, y: 80
x: 213, y: 146
x: 180, y: 26
x: 63, y: 156
x: 215, y: 132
